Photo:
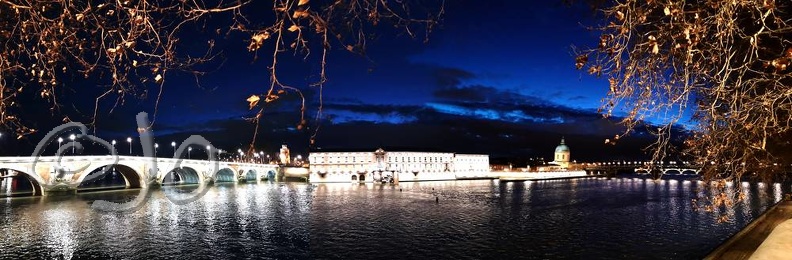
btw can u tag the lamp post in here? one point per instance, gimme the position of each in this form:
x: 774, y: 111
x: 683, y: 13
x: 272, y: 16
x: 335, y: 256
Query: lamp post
x: 189, y: 149
x: 173, y: 145
x: 156, y: 145
x: 71, y: 137
x: 129, y: 140
x: 208, y: 152
x: 113, y: 142
x: 60, y: 141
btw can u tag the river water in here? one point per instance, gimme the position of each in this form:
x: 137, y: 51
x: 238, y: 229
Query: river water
x: 593, y: 218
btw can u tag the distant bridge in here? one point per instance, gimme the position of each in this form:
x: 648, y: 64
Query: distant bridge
x: 612, y: 168
x: 137, y: 172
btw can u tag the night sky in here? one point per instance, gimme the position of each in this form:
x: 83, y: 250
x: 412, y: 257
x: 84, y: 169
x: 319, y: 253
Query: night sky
x: 494, y: 78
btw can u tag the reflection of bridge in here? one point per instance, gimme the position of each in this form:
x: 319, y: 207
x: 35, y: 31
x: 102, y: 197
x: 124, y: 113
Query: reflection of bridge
x: 137, y: 172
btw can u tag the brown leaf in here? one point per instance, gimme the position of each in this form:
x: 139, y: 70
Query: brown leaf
x: 299, y: 14
x: 620, y: 15
x: 253, y: 100
x: 257, y: 40
x: 580, y: 61
x: 294, y: 28
x: 303, y: 2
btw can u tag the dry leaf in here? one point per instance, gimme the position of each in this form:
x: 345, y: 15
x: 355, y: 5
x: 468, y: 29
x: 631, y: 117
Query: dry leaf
x: 580, y: 61
x: 299, y: 14
x: 253, y: 100
x: 158, y: 78
x: 303, y: 2
x: 294, y: 28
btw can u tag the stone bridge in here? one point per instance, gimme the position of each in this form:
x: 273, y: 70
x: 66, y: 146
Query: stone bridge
x: 57, y: 174
x: 667, y: 170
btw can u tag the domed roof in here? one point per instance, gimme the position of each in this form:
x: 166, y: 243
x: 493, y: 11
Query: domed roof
x: 562, y: 148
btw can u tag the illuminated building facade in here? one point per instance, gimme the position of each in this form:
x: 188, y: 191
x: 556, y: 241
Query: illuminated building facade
x: 387, y: 166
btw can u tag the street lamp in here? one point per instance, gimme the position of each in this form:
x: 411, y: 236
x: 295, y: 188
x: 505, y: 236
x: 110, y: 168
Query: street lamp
x: 208, y: 152
x: 173, y: 145
x: 71, y: 137
x: 129, y: 140
x: 60, y: 140
x: 156, y: 145
x: 189, y: 149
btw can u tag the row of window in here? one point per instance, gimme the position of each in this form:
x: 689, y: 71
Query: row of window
x: 328, y: 158
x: 417, y: 166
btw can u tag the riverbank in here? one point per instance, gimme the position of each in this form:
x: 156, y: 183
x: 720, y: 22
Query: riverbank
x: 765, y: 233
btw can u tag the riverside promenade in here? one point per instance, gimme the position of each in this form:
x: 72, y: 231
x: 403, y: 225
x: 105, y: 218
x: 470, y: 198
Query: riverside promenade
x: 767, y: 237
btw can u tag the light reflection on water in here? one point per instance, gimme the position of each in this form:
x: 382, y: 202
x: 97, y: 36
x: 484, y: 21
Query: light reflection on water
x: 580, y: 218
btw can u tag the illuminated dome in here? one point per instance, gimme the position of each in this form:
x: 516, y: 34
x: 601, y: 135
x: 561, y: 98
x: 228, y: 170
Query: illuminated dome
x: 562, y: 148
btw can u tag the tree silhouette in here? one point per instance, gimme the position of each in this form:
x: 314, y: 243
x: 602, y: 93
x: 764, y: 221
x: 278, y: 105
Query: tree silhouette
x: 725, y: 61
x: 129, y: 47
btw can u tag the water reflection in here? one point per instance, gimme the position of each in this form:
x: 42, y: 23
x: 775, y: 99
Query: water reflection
x: 583, y: 218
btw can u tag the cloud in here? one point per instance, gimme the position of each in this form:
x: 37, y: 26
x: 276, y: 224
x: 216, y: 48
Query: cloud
x: 391, y: 114
x: 451, y: 77
x: 488, y: 102
x: 577, y: 98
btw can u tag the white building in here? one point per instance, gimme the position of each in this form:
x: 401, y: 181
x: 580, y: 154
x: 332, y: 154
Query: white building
x: 398, y: 166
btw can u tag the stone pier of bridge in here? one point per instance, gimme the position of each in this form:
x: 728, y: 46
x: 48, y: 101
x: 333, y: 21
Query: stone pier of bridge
x: 50, y: 174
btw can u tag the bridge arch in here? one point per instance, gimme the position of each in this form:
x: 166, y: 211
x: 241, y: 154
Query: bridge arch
x: 99, y: 175
x: 31, y: 179
x: 249, y: 175
x: 271, y: 175
x: 672, y: 171
x: 690, y: 171
x: 181, y: 175
x: 225, y: 175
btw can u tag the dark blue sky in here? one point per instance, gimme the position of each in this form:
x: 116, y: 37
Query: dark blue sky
x: 496, y: 77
